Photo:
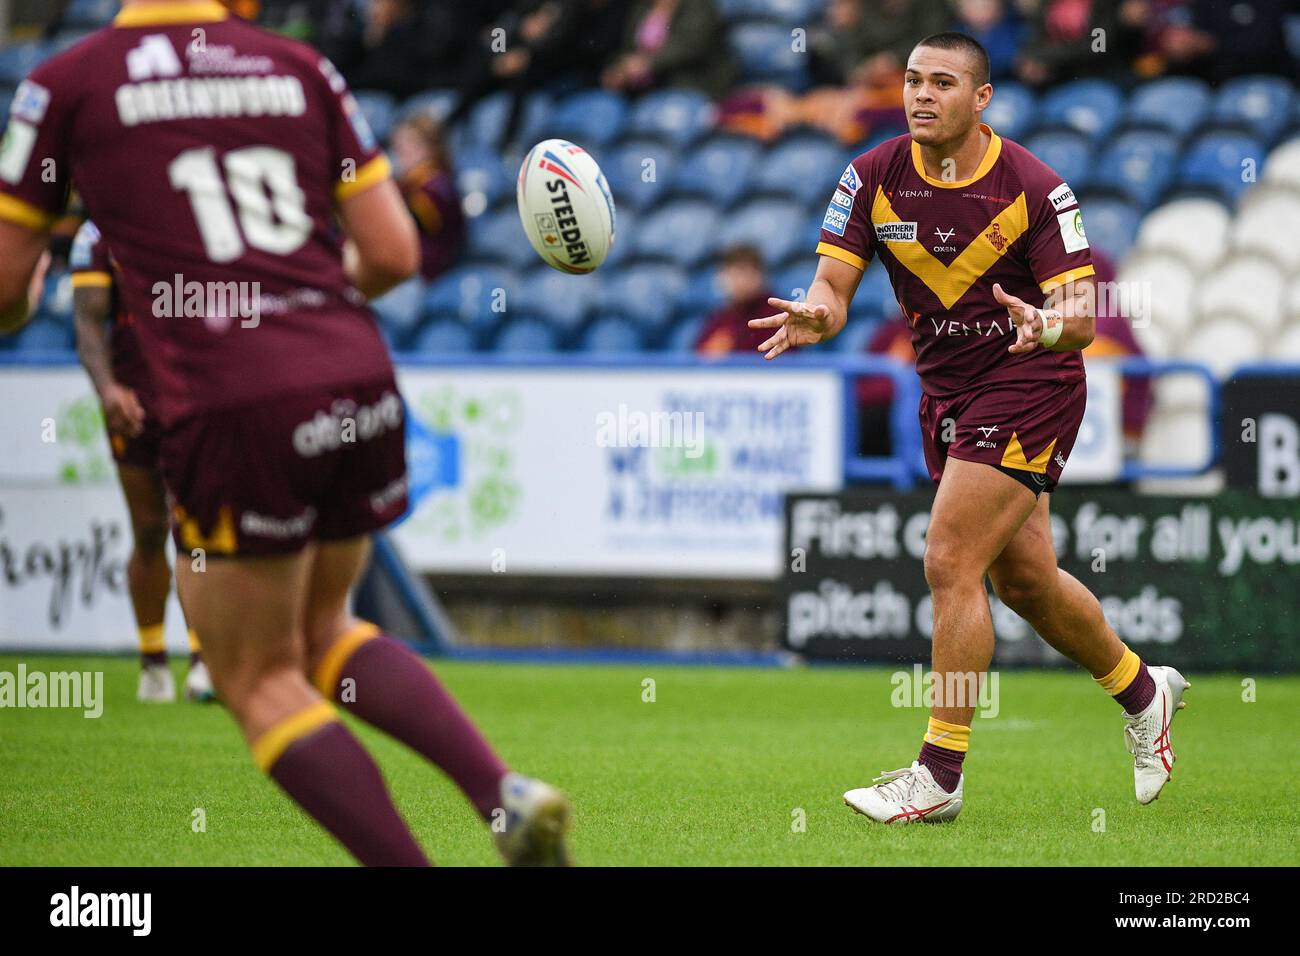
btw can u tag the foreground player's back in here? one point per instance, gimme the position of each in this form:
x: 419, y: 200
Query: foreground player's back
x: 211, y: 154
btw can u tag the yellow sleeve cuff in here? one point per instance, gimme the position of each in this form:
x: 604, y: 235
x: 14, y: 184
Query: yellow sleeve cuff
x: 371, y: 174
x: 835, y: 252
x: 15, y: 210
x: 91, y: 280
x: 1068, y: 276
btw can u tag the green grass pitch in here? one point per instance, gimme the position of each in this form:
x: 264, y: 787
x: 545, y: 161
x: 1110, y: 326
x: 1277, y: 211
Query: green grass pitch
x: 717, y: 770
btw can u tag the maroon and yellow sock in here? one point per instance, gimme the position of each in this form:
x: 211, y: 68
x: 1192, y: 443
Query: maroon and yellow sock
x: 153, y: 644
x: 384, y: 683
x: 327, y: 772
x: 1130, y: 683
x: 943, y: 752
x: 196, y: 650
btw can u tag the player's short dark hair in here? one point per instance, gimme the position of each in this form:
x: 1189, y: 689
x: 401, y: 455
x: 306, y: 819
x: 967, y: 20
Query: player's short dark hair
x: 950, y: 40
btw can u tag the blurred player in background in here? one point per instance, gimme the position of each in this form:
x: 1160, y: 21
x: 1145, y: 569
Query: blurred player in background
x: 121, y: 380
x: 985, y: 249
x: 215, y: 158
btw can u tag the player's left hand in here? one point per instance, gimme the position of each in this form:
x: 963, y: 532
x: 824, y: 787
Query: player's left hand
x: 1028, y: 323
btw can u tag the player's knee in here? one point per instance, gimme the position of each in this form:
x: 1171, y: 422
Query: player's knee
x: 150, y: 538
x: 1024, y: 589
x: 248, y: 684
x: 947, y: 566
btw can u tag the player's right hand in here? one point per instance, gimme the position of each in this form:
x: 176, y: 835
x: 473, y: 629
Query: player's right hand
x: 123, y: 412
x: 798, y: 323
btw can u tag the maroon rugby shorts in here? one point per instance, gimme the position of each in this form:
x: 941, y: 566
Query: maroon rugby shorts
x: 143, y: 450
x: 268, y: 477
x: 1026, y: 429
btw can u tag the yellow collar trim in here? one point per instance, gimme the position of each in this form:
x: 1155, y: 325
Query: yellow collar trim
x: 156, y: 14
x: 990, y: 157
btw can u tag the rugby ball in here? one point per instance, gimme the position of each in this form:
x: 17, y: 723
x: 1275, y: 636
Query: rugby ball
x: 565, y: 206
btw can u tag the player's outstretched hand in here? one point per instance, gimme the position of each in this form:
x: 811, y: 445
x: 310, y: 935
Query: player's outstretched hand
x: 1028, y: 323
x: 123, y: 412
x: 798, y: 323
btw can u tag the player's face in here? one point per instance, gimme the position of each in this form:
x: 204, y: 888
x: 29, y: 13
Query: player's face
x: 940, y: 96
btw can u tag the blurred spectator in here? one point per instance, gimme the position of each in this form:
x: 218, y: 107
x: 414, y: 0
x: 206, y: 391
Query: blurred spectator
x: 997, y: 26
x: 1219, y: 40
x: 679, y: 43
x: 1069, y: 39
x: 392, y: 51
x: 892, y: 29
x: 424, y: 172
x: 1115, y: 339
x: 838, y: 43
x: 727, y: 330
x: 875, y: 394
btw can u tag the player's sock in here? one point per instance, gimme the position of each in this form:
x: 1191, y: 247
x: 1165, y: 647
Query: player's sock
x: 318, y: 763
x: 1130, y: 683
x: 384, y: 683
x: 943, y: 751
x: 196, y: 650
x: 153, y: 645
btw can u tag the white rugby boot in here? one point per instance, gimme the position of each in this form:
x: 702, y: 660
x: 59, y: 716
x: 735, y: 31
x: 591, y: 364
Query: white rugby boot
x: 1146, y: 735
x: 536, y: 821
x: 156, y: 684
x: 198, y: 683
x: 909, y: 795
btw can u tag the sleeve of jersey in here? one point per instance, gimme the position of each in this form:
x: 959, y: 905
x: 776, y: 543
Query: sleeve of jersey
x: 34, y: 172
x: 1058, y: 247
x: 846, y: 228
x: 358, y: 158
x: 88, y: 260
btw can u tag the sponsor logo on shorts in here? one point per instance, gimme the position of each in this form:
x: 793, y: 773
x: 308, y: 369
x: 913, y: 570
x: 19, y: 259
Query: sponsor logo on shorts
x: 1059, y: 460
x: 850, y: 182
x: 389, y: 495
x: 836, y: 221
x: 1061, y: 197
x: 346, y: 422
x: 842, y: 199
x: 896, y: 231
x: 254, y: 525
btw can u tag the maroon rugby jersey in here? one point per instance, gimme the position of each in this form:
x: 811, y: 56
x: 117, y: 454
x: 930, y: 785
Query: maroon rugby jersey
x: 91, y: 265
x: 944, y: 244
x: 210, y: 154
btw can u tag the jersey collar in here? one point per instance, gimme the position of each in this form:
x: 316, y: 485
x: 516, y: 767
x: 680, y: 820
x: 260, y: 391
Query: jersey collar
x: 990, y: 157
x: 157, y: 14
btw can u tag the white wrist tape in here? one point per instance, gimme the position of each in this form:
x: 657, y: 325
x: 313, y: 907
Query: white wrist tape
x: 1053, y: 325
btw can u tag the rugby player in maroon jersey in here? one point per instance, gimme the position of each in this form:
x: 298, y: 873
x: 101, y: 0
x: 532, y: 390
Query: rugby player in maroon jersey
x: 215, y: 158
x: 985, y: 249
x: 110, y: 353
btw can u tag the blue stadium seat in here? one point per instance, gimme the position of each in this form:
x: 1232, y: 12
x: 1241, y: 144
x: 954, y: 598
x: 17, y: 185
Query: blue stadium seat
x: 562, y: 300
x: 66, y: 39
x: 437, y: 103
x: 857, y: 333
x: 443, y: 337
x: 791, y: 12
x: 474, y: 292
x: 19, y: 59
x: 1066, y: 152
x: 399, y: 308
x: 379, y: 109
x: 526, y: 334
x: 1138, y: 163
x: 770, y: 224
x: 719, y: 168
x: 1111, y: 223
x: 675, y: 116
x: 803, y: 167
x: 1011, y: 111
x: 1092, y: 107
x: 625, y: 229
x: 1215, y: 162
x: 89, y: 13
x: 592, y: 118
x: 798, y: 276
x: 487, y: 119
x: 1261, y: 104
x: 44, y: 333
x: 612, y: 334
x: 481, y: 171
x: 498, y: 236
x: 875, y: 294
x: 639, y: 170
x: 763, y: 52
x: 1175, y: 103
x: 683, y: 231
x: 647, y: 294
x: 684, y: 331
x: 703, y: 290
